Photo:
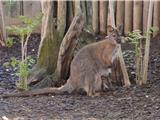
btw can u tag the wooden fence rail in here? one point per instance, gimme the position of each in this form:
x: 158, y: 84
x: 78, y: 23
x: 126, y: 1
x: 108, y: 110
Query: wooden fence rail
x: 130, y: 14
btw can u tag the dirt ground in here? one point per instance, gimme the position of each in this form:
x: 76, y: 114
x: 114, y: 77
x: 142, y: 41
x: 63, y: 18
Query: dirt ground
x: 133, y: 103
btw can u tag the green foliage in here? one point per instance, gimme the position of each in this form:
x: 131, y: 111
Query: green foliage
x: 27, y: 27
x: 135, y: 38
x: 14, y: 62
x: 30, y: 61
x: 10, y: 42
x: 24, y: 31
x: 152, y: 30
x: 22, y: 73
x: 6, y: 64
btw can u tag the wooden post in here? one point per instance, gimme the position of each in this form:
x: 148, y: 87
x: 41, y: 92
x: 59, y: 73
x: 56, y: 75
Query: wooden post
x: 147, y: 46
x: 69, y: 13
x: 77, y: 7
x: 89, y: 12
x: 31, y: 8
x: 95, y: 17
x: 137, y: 15
x: 103, y: 11
x: 128, y: 17
x: 2, y: 26
x: 83, y: 4
x: 156, y: 15
x: 120, y: 13
x: 111, y: 11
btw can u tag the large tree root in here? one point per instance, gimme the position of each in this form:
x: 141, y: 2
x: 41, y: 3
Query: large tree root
x: 36, y: 75
x: 47, y: 81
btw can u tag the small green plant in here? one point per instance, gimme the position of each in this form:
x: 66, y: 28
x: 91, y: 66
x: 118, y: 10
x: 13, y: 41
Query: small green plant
x: 137, y: 39
x: 24, y: 31
x: 152, y: 30
x: 14, y: 62
x: 10, y: 42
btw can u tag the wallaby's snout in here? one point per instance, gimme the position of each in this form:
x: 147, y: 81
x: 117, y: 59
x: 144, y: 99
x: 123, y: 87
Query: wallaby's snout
x: 119, y: 40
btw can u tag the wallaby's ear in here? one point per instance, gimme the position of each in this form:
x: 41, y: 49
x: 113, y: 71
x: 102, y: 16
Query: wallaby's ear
x: 110, y: 28
x: 120, y: 29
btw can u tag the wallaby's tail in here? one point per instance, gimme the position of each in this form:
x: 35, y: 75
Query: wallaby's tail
x: 44, y: 91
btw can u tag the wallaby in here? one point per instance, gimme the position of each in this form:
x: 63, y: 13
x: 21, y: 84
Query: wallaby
x: 87, y: 67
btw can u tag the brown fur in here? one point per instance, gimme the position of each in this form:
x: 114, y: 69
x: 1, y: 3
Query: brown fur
x: 87, y: 67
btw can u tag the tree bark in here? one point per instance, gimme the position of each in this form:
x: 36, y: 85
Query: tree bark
x: 52, y: 68
x: 67, y: 47
x: 120, y: 13
x: 49, y: 46
x: 147, y: 46
x: 95, y: 17
x: 2, y: 27
x: 128, y: 17
x: 137, y: 15
x: 103, y: 12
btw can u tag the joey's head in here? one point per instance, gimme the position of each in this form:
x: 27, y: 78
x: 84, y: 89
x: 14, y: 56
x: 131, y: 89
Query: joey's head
x: 115, y: 33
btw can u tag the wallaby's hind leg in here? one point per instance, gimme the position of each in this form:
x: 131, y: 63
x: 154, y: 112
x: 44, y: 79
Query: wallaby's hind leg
x: 97, y: 85
x: 93, y: 85
x: 91, y: 91
x: 88, y: 87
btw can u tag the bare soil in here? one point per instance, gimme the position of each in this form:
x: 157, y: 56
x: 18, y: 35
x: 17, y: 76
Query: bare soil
x: 133, y: 103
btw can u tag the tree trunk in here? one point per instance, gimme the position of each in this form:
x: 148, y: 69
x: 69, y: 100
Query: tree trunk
x: 145, y: 15
x: 137, y: 15
x: 147, y: 46
x: 49, y: 46
x: 120, y: 13
x: 128, y: 16
x: 103, y: 12
x: 156, y: 15
x: 52, y: 68
x: 61, y: 18
x: 95, y: 17
x: 67, y: 47
x: 2, y: 27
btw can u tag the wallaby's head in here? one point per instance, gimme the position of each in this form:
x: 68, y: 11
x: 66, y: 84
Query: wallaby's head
x: 115, y: 33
